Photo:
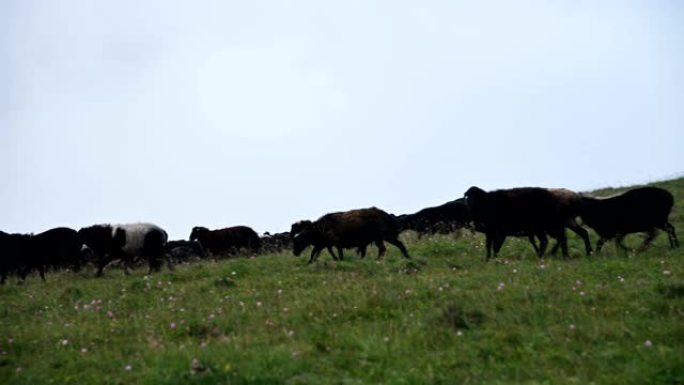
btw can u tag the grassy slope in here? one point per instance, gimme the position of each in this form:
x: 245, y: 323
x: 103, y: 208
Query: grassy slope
x: 445, y: 317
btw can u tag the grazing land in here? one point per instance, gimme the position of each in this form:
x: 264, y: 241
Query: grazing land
x: 444, y: 317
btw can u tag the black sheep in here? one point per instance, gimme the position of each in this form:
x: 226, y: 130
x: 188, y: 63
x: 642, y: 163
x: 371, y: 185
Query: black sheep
x: 58, y: 248
x: 445, y: 218
x: 643, y: 209
x: 13, y: 248
x: 22, y: 253
x: 526, y: 211
x: 350, y: 229
x: 226, y: 241
x: 275, y: 243
x: 182, y: 251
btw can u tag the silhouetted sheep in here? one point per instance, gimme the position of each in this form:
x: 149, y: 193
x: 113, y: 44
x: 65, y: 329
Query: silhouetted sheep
x: 13, y: 248
x: 58, y: 248
x: 526, y: 211
x: 183, y: 251
x: 350, y: 229
x: 298, y: 227
x: 445, y: 218
x: 22, y: 253
x: 275, y: 243
x: 643, y: 209
x: 226, y: 241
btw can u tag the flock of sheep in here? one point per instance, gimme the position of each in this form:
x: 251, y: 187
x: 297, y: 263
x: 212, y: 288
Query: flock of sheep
x: 535, y: 213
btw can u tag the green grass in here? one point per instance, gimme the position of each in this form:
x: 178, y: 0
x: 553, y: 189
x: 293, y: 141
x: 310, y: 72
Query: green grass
x: 445, y: 317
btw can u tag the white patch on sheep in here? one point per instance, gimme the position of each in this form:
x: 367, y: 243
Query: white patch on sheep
x: 135, y: 235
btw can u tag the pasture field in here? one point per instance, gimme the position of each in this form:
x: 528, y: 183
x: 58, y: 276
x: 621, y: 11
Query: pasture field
x: 444, y: 317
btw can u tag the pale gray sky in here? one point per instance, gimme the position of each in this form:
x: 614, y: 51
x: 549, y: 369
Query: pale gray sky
x: 221, y: 113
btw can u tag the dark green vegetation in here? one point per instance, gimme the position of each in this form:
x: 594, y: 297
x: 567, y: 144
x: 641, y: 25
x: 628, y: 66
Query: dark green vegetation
x: 444, y: 317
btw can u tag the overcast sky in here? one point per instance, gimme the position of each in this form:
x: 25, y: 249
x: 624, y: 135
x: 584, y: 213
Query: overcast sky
x: 261, y: 113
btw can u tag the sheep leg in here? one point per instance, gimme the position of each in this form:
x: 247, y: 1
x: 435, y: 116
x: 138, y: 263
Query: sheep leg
x: 77, y: 265
x: 100, y: 268
x: 534, y: 243
x: 314, y: 253
x: 554, y: 249
x: 361, y: 251
x: 563, y: 242
x: 169, y: 261
x: 543, y: 242
x: 618, y: 242
x: 600, y: 243
x: 498, y: 243
x: 330, y: 250
x: 101, y: 263
x: 127, y: 270
x: 674, y: 242
x: 41, y: 271
x: 154, y: 263
x: 23, y: 272
x: 649, y: 238
x: 341, y: 252
x: 396, y: 242
x: 488, y: 241
x: 381, y: 248
x: 584, y: 234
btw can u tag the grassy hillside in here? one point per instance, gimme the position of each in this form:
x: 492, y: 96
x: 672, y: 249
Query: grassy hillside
x: 445, y: 317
